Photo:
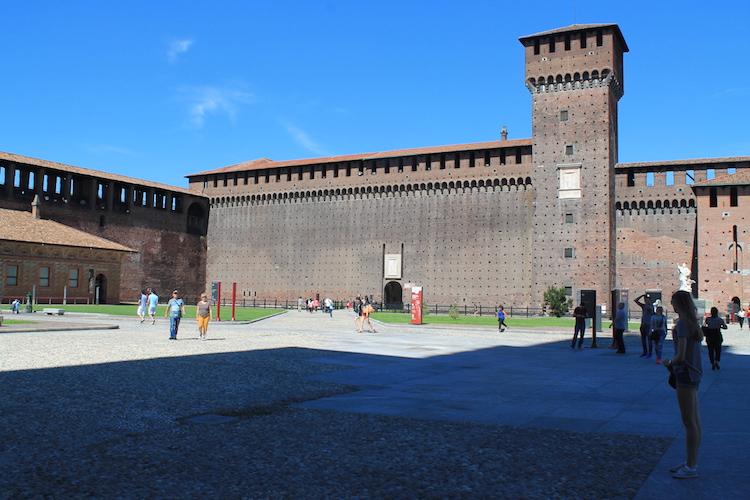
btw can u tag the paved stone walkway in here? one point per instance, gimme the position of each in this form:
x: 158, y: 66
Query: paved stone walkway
x: 522, y: 377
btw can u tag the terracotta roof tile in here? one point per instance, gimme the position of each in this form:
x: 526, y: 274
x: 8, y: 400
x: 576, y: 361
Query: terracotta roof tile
x: 16, y: 225
x: 741, y: 178
x: 262, y: 163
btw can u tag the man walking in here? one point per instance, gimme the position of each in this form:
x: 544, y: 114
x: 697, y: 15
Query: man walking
x: 153, y: 300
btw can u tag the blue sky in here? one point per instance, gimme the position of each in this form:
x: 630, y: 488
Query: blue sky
x: 157, y: 90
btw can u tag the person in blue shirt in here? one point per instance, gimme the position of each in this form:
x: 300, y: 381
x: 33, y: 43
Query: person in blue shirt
x: 153, y: 300
x: 175, y: 311
x: 501, y: 315
x: 620, y: 324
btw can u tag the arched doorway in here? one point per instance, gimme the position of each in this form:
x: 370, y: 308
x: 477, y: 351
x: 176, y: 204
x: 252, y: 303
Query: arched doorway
x: 736, y: 305
x: 100, y: 289
x: 393, y: 294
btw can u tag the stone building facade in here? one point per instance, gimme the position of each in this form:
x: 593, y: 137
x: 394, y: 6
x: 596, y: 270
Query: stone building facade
x: 495, y: 222
x: 60, y: 263
x: 164, y: 225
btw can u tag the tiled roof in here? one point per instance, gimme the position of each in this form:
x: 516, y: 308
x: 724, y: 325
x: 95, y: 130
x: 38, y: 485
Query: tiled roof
x: 25, y: 160
x: 741, y: 178
x: 16, y: 225
x: 262, y: 163
x: 695, y: 161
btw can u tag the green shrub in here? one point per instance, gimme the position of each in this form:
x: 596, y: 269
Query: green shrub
x: 556, y: 301
x: 453, y: 311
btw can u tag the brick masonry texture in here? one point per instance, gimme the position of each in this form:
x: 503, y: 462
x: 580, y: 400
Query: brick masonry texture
x: 457, y: 243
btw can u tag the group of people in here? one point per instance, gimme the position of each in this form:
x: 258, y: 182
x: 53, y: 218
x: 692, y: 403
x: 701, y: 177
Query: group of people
x: 312, y: 305
x: 148, y: 301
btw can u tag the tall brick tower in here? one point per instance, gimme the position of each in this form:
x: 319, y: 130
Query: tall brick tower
x: 575, y: 76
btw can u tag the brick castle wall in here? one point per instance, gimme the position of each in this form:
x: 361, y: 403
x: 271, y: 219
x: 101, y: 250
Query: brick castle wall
x: 456, y: 243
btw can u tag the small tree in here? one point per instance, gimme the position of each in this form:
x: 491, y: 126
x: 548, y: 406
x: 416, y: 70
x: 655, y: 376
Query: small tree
x: 453, y: 311
x: 425, y: 310
x: 557, y: 301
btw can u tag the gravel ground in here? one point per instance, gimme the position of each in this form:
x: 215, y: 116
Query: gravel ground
x: 78, y: 422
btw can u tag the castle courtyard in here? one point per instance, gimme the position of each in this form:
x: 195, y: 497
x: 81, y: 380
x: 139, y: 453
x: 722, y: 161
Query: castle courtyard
x: 301, y: 406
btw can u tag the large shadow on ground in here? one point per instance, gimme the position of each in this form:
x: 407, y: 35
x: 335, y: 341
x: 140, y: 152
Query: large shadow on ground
x: 123, y: 430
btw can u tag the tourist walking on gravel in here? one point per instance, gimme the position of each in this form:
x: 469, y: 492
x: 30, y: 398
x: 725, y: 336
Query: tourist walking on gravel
x: 367, y: 308
x: 501, y: 315
x: 740, y: 316
x: 175, y: 312
x: 687, y: 370
x: 153, y: 300
x: 142, y: 304
x: 713, y: 326
x: 203, y: 315
x: 357, y: 306
x: 658, y: 331
x: 647, y: 310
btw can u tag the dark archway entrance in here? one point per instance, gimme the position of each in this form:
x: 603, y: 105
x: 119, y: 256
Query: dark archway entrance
x: 737, y: 305
x: 100, y: 287
x: 393, y: 294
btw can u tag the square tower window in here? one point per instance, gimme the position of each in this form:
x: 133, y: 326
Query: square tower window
x: 569, y: 219
x: 568, y: 149
x: 568, y: 252
x: 564, y: 115
x: 568, y: 290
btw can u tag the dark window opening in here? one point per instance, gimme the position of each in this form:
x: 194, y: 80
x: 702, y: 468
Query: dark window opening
x: 567, y: 41
x: 599, y: 38
x: 583, y: 39
x: 536, y: 47
x: 551, y: 44
x: 502, y: 157
x: 713, y: 199
x: 631, y: 177
x: 733, y: 196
